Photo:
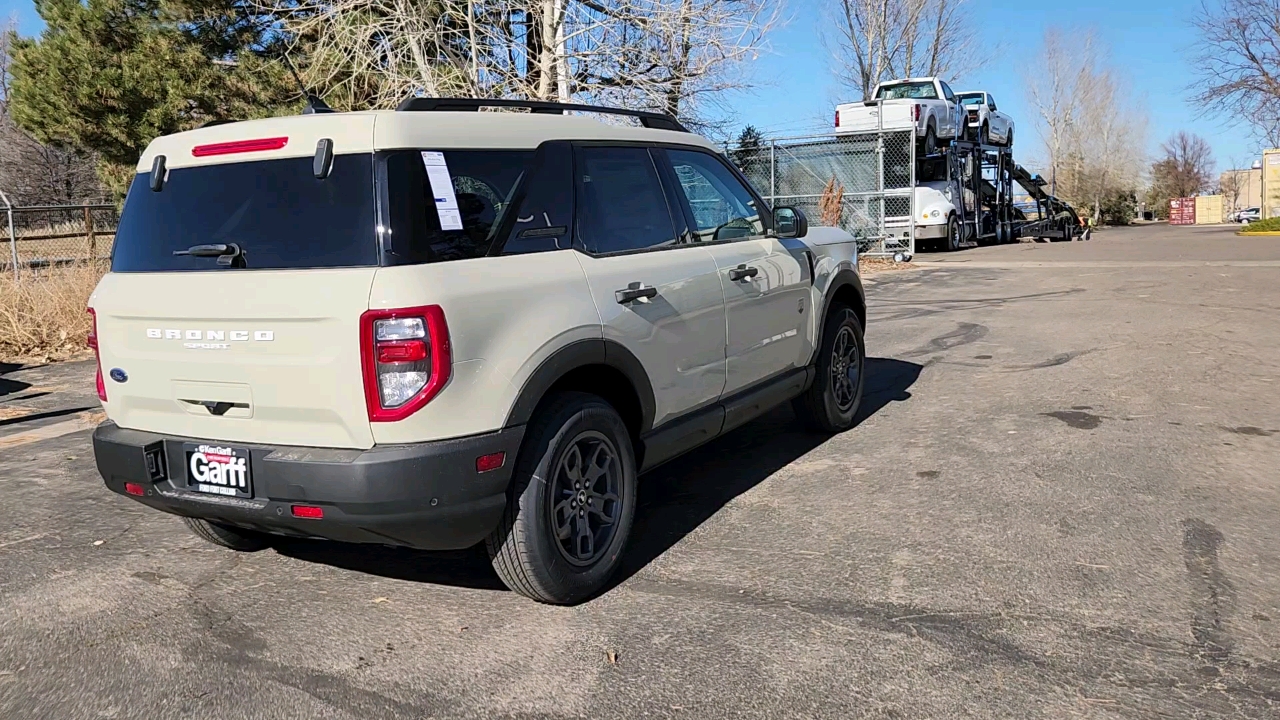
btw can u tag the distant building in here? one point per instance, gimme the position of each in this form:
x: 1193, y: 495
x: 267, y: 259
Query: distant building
x: 1241, y: 188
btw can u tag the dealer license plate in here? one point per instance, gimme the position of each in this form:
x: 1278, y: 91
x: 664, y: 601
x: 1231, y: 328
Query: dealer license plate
x: 218, y: 470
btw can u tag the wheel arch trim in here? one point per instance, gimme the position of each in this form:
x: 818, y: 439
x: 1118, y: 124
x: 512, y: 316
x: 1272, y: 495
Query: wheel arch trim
x: 579, y: 354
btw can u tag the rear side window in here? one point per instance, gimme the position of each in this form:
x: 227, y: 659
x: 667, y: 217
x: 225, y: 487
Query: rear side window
x: 621, y: 205
x: 275, y: 210
x: 447, y: 205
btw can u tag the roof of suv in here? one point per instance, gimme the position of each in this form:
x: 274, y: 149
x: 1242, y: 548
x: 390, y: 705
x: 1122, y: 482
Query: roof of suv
x: 367, y: 131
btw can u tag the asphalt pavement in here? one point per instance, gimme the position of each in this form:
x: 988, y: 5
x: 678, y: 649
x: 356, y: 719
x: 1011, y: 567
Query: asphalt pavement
x: 1062, y: 500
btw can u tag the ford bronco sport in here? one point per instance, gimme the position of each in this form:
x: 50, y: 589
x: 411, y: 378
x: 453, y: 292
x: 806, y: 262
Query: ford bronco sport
x: 433, y: 327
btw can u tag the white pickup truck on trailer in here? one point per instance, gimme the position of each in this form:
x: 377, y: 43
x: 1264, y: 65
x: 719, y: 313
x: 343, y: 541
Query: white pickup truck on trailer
x: 926, y: 104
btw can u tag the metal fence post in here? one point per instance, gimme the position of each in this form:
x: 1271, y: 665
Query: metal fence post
x: 88, y: 228
x: 13, y: 236
x: 773, y: 171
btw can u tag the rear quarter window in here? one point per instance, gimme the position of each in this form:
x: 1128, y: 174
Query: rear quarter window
x: 276, y: 210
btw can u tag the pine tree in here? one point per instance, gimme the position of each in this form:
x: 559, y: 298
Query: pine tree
x: 108, y: 76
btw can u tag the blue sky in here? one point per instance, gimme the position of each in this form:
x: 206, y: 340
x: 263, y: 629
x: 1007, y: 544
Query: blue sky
x: 1147, y: 39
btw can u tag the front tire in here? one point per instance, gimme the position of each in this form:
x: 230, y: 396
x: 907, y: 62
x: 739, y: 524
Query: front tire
x: 226, y: 536
x: 571, y: 503
x: 831, y: 402
x: 985, y: 135
x: 953, y: 234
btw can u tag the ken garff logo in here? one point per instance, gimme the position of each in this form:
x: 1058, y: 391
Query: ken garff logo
x: 119, y: 375
x: 210, y: 339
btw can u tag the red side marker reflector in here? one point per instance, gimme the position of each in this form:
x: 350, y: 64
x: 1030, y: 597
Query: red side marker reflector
x: 493, y: 461
x: 307, y: 511
x: 240, y: 146
x: 134, y: 489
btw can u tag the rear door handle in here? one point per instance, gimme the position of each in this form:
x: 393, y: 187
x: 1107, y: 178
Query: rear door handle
x: 742, y: 272
x: 633, y: 292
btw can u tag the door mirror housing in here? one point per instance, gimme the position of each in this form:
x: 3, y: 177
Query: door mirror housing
x: 790, y: 222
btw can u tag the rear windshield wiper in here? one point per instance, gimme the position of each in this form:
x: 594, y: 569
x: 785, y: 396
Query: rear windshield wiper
x: 227, y: 253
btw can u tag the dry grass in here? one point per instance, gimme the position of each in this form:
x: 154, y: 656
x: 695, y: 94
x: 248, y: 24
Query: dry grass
x: 42, y: 314
x: 871, y: 266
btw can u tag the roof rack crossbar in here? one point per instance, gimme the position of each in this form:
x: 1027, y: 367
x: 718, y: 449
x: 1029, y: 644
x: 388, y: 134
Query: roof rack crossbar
x: 654, y: 120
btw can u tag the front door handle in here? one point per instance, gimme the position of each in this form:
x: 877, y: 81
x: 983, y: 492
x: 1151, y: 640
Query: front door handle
x: 633, y: 292
x: 742, y: 272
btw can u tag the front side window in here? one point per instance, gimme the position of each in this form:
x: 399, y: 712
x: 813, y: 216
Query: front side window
x: 448, y: 205
x: 723, y: 209
x: 621, y: 205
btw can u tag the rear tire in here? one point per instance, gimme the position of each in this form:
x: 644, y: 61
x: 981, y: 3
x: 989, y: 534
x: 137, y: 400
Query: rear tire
x: 571, y: 503
x: 985, y: 135
x: 227, y: 536
x: 831, y: 402
x: 930, y: 145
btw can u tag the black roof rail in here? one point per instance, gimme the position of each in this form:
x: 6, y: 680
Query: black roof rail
x: 654, y: 120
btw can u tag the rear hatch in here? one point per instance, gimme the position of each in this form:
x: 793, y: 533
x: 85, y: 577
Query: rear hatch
x: 261, y: 347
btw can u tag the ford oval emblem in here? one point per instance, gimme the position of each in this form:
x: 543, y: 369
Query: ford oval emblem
x: 119, y: 375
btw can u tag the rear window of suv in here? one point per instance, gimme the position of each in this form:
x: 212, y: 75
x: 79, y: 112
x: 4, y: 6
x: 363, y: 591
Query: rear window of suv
x: 275, y: 210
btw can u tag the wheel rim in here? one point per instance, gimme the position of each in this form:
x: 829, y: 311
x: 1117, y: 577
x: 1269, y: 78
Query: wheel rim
x: 586, y: 498
x: 846, y: 369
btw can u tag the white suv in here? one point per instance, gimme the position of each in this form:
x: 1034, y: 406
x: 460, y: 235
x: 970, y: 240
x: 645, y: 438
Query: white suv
x: 433, y: 327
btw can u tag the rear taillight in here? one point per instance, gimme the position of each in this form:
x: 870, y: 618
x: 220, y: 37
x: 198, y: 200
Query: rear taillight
x: 915, y: 112
x: 93, y: 343
x: 837, y: 118
x: 406, y: 360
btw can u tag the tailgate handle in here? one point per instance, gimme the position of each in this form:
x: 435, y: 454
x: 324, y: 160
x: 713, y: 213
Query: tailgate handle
x: 216, y: 407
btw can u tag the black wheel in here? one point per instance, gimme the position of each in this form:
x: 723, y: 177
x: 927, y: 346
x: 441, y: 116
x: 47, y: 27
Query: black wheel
x: 571, y: 503
x: 930, y: 141
x: 953, y: 234
x: 227, y: 536
x: 1008, y: 141
x: 831, y: 403
x: 985, y: 135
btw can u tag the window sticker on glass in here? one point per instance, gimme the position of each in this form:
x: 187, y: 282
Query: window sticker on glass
x: 442, y: 190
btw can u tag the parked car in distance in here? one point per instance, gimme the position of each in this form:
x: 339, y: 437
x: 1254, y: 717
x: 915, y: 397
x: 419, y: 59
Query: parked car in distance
x: 983, y: 122
x: 926, y: 104
x: 1248, y: 215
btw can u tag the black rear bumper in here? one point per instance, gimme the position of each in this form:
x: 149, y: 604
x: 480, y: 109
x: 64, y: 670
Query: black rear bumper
x: 425, y: 495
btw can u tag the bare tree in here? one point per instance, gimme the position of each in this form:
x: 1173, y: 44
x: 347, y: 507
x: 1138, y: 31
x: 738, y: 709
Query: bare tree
x: 1237, y: 57
x: 673, y: 55
x: 1093, y: 132
x: 877, y: 40
x: 1186, y: 168
x: 32, y: 173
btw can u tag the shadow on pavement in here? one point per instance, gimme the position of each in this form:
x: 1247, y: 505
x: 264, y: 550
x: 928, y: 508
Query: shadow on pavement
x: 7, y: 386
x: 672, y: 501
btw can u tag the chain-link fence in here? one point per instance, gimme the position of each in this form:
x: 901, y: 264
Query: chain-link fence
x: 50, y: 235
x: 862, y: 182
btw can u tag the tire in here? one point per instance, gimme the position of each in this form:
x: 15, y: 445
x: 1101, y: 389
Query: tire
x: 526, y: 550
x: 984, y: 136
x: 831, y: 402
x: 953, y: 234
x: 227, y: 536
x: 930, y: 141
x: 1008, y: 141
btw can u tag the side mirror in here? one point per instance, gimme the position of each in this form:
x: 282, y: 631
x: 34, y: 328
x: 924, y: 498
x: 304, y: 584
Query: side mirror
x: 790, y: 222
